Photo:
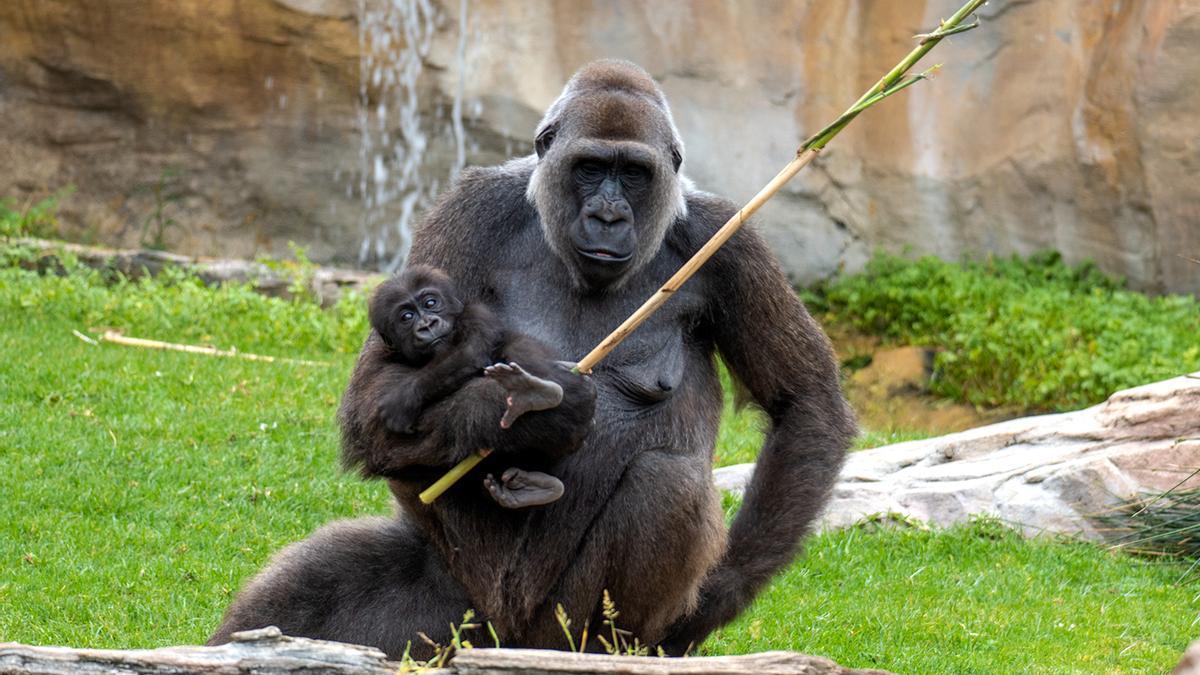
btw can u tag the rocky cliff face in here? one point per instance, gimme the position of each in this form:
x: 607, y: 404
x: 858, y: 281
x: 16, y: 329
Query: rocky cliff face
x: 234, y: 124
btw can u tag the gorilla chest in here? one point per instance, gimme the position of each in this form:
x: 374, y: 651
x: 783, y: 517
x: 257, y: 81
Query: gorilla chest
x: 647, y: 367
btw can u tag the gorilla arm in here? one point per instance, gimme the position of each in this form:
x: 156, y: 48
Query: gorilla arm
x: 463, y: 422
x: 779, y: 353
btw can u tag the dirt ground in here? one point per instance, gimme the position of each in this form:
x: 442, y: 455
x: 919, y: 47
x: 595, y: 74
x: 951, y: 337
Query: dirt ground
x: 888, y: 386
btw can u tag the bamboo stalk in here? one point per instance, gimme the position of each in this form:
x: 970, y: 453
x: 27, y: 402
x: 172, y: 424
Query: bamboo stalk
x: 689, y: 268
x: 891, y: 83
x: 461, y: 469
x: 117, y: 338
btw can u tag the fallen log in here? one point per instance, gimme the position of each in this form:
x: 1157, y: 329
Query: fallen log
x: 267, y: 652
x: 264, y: 652
x: 543, y: 662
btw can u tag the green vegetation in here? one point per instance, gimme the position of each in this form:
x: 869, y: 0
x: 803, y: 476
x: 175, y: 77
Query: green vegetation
x: 741, y: 433
x: 144, y: 487
x: 1033, y: 333
x: 972, y: 599
x: 179, y: 305
x: 35, y: 219
x: 1161, y: 524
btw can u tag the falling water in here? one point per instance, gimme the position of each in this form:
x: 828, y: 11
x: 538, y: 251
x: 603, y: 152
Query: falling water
x: 396, y: 179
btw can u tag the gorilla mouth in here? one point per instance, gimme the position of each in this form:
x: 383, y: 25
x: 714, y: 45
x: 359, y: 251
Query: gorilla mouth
x: 604, y: 255
x: 432, y: 341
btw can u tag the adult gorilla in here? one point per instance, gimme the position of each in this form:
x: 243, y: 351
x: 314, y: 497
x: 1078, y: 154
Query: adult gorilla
x: 563, y: 246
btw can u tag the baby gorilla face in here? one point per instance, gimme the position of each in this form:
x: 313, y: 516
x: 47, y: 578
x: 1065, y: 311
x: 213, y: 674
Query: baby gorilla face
x: 415, y: 313
x: 421, y: 320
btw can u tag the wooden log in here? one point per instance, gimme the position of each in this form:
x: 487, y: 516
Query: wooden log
x: 264, y: 652
x: 544, y: 662
x: 267, y: 652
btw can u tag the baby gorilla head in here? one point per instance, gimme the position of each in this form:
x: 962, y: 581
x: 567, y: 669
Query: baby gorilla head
x: 415, y: 313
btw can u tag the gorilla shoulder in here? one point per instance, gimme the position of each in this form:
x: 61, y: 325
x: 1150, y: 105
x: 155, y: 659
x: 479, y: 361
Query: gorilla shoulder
x: 484, y: 206
x: 706, y: 213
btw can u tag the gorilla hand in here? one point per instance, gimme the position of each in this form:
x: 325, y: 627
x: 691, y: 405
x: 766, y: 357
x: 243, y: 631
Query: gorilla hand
x: 525, y: 392
x: 518, y: 489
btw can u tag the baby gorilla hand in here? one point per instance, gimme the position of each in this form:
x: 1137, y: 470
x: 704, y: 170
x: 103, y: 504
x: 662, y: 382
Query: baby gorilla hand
x: 399, y: 411
x: 518, y: 489
x: 525, y: 392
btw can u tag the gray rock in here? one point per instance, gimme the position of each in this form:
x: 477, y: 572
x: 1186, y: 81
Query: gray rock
x: 1048, y: 473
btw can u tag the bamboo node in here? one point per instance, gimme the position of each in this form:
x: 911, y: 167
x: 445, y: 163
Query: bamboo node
x: 942, y: 31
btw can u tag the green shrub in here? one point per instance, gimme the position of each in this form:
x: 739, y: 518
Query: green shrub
x: 1036, y: 333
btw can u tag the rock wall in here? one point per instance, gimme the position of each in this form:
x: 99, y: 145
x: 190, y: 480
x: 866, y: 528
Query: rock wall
x: 1059, y: 124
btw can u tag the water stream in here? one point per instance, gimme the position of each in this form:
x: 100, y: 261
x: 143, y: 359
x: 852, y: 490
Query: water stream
x: 398, y: 172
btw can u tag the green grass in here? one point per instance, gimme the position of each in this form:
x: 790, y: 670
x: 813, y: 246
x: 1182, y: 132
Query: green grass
x: 972, y: 599
x: 1032, y: 333
x: 141, y: 488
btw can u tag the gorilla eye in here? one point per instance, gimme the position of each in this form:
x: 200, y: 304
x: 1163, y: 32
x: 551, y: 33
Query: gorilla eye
x: 407, y: 316
x: 431, y: 303
x: 635, y: 174
x: 542, y: 143
x: 591, y: 170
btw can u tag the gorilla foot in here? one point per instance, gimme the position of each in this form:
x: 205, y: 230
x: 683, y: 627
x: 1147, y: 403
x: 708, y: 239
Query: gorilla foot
x: 526, y: 392
x: 519, y: 489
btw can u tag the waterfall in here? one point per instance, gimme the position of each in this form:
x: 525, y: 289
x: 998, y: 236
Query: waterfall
x: 397, y: 179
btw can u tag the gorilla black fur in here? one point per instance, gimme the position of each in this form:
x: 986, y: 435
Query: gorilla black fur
x: 564, y: 246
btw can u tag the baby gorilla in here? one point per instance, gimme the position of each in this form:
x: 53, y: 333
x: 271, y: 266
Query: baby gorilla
x: 446, y: 343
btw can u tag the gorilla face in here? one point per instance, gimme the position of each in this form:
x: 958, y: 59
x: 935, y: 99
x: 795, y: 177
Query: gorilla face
x: 415, y: 314
x: 606, y: 185
x: 611, y: 187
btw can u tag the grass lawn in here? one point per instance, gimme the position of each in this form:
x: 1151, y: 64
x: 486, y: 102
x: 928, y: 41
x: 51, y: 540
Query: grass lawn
x: 972, y: 599
x: 138, y: 490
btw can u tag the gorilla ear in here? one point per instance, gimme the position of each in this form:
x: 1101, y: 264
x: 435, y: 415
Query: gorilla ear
x: 542, y: 143
x: 676, y: 158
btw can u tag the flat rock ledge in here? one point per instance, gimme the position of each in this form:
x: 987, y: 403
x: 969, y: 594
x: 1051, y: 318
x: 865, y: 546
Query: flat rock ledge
x: 1047, y: 473
x: 267, y: 652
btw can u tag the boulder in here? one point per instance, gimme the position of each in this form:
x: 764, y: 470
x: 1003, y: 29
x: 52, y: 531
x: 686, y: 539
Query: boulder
x: 1048, y: 473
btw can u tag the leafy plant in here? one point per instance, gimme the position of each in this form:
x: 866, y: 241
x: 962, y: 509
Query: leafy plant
x: 443, y: 653
x: 299, y: 271
x: 1034, y: 332
x: 166, y: 192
